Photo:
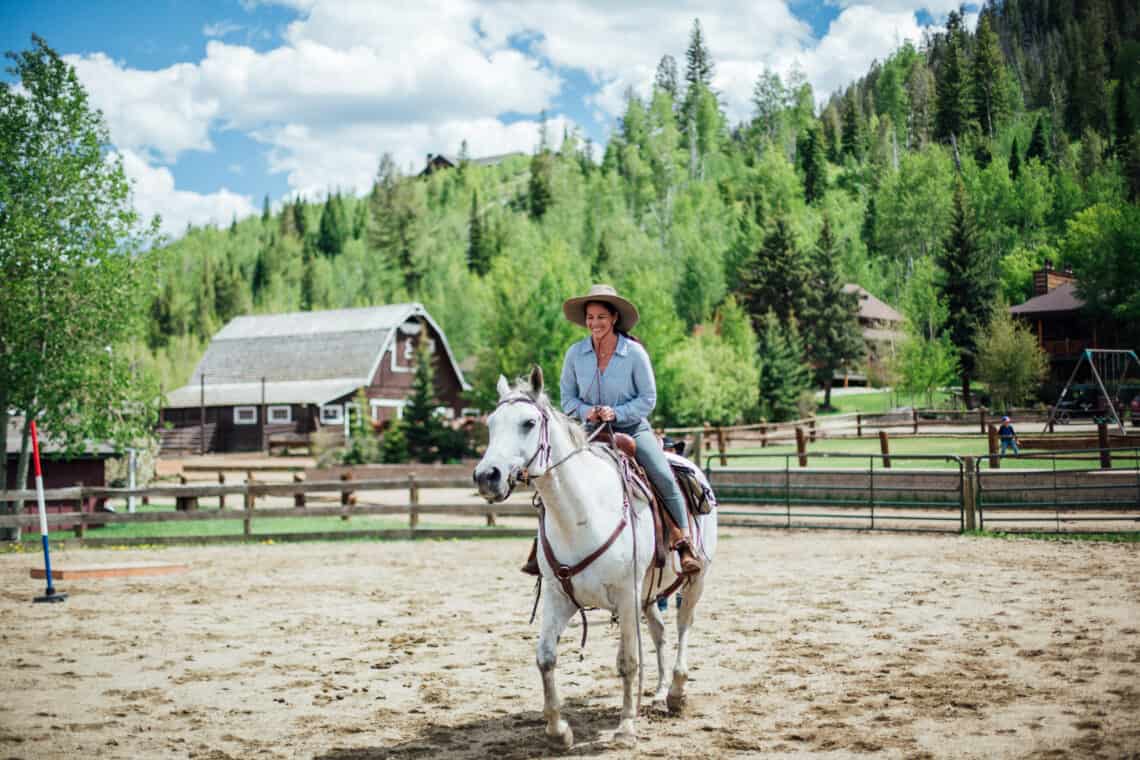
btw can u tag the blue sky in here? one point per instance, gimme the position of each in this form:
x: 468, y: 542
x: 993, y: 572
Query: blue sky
x: 214, y: 104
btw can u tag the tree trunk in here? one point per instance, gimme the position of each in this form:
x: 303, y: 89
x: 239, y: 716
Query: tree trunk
x: 827, y: 394
x: 7, y: 507
x: 966, y: 390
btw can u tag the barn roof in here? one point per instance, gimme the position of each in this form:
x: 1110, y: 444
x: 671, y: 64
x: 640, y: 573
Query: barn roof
x: 309, y: 357
x: 871, y: 307
x: 1060, y: 299
x: 49, y: 444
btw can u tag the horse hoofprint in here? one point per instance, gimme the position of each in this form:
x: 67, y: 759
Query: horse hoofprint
x: 583, y: 498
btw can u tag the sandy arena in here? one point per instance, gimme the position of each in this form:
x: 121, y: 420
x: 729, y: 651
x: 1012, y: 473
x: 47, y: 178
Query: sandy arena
x: 807, y: 644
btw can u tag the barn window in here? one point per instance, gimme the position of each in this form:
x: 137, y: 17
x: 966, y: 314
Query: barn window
x: 245, y: 415
x: 332, y: 414
x: 281, y: 414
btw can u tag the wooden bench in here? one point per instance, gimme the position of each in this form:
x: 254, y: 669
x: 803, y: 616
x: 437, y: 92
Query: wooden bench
x: 286, y: 441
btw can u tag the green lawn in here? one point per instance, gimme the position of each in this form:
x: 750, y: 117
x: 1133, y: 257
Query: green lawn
x: 882, y: 401
x: 976, y: 447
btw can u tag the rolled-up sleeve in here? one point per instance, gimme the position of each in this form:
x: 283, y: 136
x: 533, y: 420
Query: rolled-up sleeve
x: 644, y: 396
x: 572, y: 404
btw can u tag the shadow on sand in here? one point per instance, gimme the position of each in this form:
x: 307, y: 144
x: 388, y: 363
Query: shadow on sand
x: 516, y: 736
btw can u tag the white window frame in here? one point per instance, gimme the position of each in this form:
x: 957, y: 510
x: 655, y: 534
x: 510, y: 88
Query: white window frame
x: 446, y: 412
x: 271, y: 416
x: 239, y: 411
x: 470, y: 411
x: 337, y: 419
x: 387, y: 403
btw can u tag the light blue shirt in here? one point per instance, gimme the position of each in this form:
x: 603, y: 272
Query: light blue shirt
x: 627, y: 385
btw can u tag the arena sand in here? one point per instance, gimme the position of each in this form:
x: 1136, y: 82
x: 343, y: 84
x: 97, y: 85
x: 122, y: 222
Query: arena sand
x: 808, y: 644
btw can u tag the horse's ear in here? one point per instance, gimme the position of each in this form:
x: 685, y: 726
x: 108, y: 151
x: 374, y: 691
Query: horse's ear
x: 536, y: 379
x: 503, y: 387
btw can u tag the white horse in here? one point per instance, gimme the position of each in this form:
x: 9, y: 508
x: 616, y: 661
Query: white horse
x: 586, y: 512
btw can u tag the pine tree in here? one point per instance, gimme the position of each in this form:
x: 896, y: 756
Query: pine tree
x: 229, y: 293
x: 768, y: 101
x: 698, y: 62
x: 601, y: 262
x: 203, y: 325
x: 309, y: 296
x: 1038, y: 148
x: 1131, y: 167
x: 775, y: 277
x: 969, y: 288
x: 666, y: 78
x: 988, y: 71
x: 233, y: 226
x: 951, y: 116
x: 478, y: 256
x: 300, y: 224
x: 832, y: 332
x: 540, y: 189
x: 331, y: 233
x: 359, y: 220
x: 1014, y: 161
x: 852, y: 126
x: 867, y: 229
x: 784, y: 376
x: 260, y: 280
x: 420, y: 423
x: 265, y: 214
x: 1122, y: 119
x: 811, y: 157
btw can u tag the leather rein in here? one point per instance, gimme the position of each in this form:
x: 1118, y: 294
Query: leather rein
x: 564, y: 573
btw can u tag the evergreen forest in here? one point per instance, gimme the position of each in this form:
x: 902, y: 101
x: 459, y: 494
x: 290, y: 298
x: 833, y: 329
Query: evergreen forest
x: 939, y: 181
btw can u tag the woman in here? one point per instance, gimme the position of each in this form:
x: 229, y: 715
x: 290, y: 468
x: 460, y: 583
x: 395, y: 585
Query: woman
x: 607, y: 378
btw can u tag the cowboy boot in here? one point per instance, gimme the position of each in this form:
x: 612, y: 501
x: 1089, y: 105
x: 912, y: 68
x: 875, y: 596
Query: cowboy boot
x: 531, y: 566
x: 679, y: 543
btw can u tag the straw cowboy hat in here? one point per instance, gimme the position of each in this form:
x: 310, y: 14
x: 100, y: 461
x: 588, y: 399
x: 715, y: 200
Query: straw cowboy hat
x: 575, y: 308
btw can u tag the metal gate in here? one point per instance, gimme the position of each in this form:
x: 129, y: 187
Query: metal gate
x: 861, y: 492
x: 1060, y: 491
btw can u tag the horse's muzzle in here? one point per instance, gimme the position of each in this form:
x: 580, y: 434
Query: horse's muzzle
x: 492, y: 486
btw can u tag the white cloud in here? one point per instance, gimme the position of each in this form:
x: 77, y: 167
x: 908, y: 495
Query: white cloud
x: 858, y: 36
x: 154, y: 193
x: 221, y: 29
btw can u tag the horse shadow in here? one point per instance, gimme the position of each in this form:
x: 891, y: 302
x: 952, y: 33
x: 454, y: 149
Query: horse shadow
x: 512, y: 736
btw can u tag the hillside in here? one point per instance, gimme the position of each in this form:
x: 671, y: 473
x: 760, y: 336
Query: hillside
x: 1034, y: 116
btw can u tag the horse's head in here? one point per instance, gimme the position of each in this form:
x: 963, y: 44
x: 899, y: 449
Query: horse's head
x: 518, y: 438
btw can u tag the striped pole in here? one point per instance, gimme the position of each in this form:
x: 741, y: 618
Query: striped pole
x: 50, y: 594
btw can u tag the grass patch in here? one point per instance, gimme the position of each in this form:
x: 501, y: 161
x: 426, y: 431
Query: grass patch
x: 1111, y: 538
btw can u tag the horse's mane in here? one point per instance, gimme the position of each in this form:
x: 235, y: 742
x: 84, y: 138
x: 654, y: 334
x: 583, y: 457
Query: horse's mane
x: 574, y: 428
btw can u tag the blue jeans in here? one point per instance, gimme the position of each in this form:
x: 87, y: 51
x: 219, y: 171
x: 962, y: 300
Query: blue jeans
x: 652, y: 458
x: 1008, y: 443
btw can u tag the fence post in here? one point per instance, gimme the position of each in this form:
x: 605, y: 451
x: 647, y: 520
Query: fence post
x: 914, y: 417
x: 721, y: 445
x: 858, y: 425
x: 801, y: 446
x: 81, y: 526
x: 221, y: 496
x: 885, y: 448
x: 969, y: 492
x: 185, y: 503
x: 347, y: 497
x: 1102, y: 444
x: 982, y: 419
x: 298, y: 496
x: 247, y: 497
x: 413, y: 501
x: 698, y: 447
x: 995, y: 460
x: 811, y: 430
x: 763, y: 434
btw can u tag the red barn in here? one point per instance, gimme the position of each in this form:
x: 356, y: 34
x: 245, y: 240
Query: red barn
x: 278, y: 378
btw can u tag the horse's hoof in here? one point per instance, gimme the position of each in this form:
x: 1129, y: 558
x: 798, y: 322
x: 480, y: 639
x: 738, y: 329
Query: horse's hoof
x: 563, y: 740
x: 675, y: 702
x: 626, y: 739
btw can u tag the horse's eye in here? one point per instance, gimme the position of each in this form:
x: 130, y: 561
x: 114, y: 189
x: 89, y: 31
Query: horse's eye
x: 528, y: 425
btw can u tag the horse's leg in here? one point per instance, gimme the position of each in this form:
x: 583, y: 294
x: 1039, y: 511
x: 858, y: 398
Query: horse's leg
x: 691, y: 594
x: 556, y: 612
x: 657, y: 632
x: 627, y: 662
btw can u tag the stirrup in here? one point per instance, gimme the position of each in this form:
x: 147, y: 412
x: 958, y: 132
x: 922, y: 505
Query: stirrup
x: 690, y: 565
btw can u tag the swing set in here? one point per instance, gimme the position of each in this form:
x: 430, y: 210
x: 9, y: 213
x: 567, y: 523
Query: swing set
x: 1110, y: 367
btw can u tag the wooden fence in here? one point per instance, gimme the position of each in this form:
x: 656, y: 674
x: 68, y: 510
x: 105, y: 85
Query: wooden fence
x: 189, y: 501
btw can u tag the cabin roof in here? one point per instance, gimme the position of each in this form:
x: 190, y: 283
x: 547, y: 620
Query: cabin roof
x: 1060, y: 299
x: 871, y: 307
x: 305, y: 357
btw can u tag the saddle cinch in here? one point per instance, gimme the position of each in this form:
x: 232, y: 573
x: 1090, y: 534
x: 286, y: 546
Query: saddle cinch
x: 666, y: 532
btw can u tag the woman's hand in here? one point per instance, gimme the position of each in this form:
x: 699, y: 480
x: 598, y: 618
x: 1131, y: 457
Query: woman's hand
x: 605, y: 413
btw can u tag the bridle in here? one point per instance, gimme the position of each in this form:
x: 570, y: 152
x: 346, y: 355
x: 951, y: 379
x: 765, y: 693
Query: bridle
x: 565, y: 573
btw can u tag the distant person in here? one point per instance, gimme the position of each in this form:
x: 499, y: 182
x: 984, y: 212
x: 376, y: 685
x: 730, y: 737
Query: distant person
x: 1008, y: 437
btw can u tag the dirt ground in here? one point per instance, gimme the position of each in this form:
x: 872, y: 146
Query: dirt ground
x: 807, y: 644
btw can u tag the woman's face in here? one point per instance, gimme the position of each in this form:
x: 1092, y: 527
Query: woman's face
x: 599, y: 320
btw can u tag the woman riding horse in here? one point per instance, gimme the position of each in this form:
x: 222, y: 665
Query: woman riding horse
x: 607, y: 378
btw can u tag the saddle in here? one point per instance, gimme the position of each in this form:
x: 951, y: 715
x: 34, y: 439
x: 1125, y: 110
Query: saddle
x: 622, y: 449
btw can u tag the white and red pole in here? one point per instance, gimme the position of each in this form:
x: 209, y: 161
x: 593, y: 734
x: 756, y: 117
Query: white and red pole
x: 50, y: 594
